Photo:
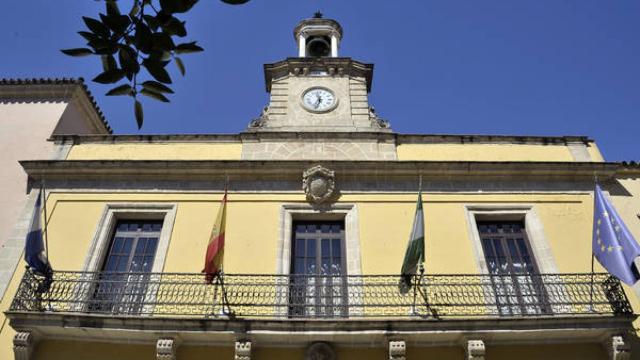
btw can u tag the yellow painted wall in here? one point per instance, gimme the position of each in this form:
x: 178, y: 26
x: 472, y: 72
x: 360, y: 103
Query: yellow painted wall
x: 483, y: 152
x: 65, y: 350
x: 156, y: 151
x: 253, y: 222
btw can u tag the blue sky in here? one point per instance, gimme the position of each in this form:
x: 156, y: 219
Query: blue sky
x: 537, y: 67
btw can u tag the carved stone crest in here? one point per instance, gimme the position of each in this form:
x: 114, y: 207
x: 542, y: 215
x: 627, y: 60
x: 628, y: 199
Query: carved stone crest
x: 318, y: 183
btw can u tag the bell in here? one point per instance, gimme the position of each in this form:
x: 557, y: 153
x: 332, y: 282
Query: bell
x: 318, y: 47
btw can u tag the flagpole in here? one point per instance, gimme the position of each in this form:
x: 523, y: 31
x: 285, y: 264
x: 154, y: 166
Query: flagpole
x: 44, y: 207
x: 593, y: 255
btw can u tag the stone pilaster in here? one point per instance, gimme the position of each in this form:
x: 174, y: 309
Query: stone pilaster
x: 166, y: 349
x: 474, y: 350
x: 397, y: 350
x: 243, y: 350
x: 617, y: 348
x: 23, y: 345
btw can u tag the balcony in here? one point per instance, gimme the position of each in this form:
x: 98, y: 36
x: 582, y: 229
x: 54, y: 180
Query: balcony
x: 559, y: 305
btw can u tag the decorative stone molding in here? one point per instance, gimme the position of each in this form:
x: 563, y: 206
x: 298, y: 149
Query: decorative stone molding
x: 474, y: 350
x: 318, y: 183
x: 617, y: 348
x: 397, y: 350
x: 166, y: 349
x: 376, y: 120
x: 23, y: 345
x: 243, y: 350
x: 261, y: 120
x: 320, y: 351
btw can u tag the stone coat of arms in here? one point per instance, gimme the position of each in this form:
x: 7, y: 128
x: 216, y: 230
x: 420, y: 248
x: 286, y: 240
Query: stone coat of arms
x: 318, y: 183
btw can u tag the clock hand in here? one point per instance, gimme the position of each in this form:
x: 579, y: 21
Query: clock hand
x: 318, y: 101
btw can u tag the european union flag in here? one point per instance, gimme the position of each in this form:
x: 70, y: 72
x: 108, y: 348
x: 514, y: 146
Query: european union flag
x: 34, y: 253
x: 613, y: 245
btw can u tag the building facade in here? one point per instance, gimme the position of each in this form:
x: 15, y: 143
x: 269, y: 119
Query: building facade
x: 321, y: 199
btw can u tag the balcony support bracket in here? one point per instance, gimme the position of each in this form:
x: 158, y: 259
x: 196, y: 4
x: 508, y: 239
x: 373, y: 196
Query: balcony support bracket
x: 243, y: 350
x: 397, y: 350
x: 166, y: 349
x: 617, y: 348
x: 474, y: 350
x: 23, y: 344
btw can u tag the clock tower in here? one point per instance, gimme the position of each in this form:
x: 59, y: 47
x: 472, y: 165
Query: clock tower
x: 318, y: 91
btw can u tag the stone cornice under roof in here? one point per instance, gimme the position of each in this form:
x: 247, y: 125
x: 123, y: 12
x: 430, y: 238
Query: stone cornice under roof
x: 283, y: 170
x: 51, y: 89
x: 254, y: 136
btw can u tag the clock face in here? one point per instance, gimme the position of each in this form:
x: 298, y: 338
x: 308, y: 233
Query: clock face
x: 319, y: 99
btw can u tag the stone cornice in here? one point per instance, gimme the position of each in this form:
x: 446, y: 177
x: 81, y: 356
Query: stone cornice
x: 279, y: 135
x: 289, y: 170
x: 300, y: 66
x: 140, y: 329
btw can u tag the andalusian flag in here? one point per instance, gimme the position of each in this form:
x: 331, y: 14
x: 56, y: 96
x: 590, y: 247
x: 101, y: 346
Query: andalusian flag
x: 415, y: 248
x: 215, y: 249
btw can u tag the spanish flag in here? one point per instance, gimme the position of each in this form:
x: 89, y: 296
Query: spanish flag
x: 215, y: 249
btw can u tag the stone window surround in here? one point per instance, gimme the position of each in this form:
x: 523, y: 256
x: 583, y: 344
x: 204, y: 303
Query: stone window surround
x: 116, y: 211
x: 533, y: 227
x: 346, y: 212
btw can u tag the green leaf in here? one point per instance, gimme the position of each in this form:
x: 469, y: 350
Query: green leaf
x: 109, y: 77
x: 125, y: 89
x: 180, y: 65
x: 77, y: 52
x: 96, y: 26
x: 137, y: 108
x: 151, y: 21
x: 156, y: 86
x: 173, y: 26
x: 109, y: 63
x: 89, y: 36
x: 235, y: 2
x: 156, y: 69
x: 162, y: 41
x: 154, y: 95
x: 177, y: 6
x: 187, y: 48
x: 128, y: 60
x: 117, y: 23
x: 143, y: 38
x: 134, y: 11
x: 112, y: 7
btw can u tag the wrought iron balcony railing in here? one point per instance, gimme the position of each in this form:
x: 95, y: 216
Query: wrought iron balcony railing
x: 310, y: 297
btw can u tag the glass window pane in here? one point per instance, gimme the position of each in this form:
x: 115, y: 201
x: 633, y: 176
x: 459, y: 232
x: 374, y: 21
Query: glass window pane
x: 299, y: 247
x: 117, y: 245
x: 133, y: 226
x: 111, y: 263
x: 336, y: 248
x: 157, y: 226
x: 311, y: 247
x: 324, y: 228
x: 136, y: 264
x: 128, y: 243
x: 122, y: 263
x: 152, y: 243
x: 336, y: 228
x: 298, y: 266
x: 148, y: 263
x: 311, y: 228
x: 326, y: 248
x: 140, y: 245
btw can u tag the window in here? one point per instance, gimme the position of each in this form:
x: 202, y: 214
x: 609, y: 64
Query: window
x: 318, y: 282
x: 122, y: 283
x: 515, y: 279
